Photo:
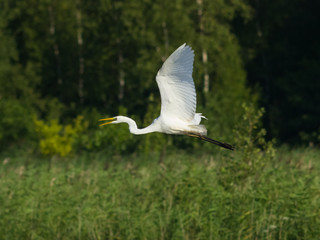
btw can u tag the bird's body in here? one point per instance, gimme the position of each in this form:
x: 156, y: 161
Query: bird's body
x: 178, y: 101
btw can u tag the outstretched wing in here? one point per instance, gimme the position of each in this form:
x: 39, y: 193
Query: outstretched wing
x: 178, y: 94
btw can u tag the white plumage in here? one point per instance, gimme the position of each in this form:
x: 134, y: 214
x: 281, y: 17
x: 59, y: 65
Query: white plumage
x: 178, y: 100
x: 178, y: 94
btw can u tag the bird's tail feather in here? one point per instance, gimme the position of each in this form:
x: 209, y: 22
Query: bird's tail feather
x: 204, y: 138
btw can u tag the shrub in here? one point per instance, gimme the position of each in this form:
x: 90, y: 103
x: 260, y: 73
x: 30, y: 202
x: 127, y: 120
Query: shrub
x: 15, y: 121
x: 252, y: 152
x: 57, y: 139
x: 113, y: 138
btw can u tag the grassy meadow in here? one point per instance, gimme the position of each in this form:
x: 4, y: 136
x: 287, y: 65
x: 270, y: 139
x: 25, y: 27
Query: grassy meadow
x: 181, y: 196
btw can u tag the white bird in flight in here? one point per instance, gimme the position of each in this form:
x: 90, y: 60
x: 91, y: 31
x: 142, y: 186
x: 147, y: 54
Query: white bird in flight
x: 178, y: 101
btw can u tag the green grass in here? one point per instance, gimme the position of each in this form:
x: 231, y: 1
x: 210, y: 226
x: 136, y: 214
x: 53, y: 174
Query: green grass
x: 187, y: 196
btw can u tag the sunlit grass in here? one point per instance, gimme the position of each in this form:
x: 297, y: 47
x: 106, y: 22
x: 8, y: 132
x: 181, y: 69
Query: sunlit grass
x: 183, y: 197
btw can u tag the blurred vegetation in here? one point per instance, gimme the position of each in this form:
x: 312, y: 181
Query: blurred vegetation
x: 254, y: 152
x: 63, y: 59
x: 55, y: 139
x: 280, y: 48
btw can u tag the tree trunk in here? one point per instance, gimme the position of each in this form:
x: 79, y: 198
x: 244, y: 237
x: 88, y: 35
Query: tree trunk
x: 80, y: 55
x: 206, y: 80
x: 121, y: 73
x: 55, y: 45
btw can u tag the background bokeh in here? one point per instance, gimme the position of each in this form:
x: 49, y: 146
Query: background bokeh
x: 67, y: 61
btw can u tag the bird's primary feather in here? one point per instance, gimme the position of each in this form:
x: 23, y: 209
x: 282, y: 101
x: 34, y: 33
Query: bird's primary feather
x: 178, y: 94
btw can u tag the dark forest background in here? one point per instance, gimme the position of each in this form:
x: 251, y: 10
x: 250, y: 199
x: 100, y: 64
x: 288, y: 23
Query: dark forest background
x: 64, y: 64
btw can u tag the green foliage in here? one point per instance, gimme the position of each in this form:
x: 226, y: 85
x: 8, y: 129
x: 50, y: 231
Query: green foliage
x: 113, y: 138
x: 250, y: 136
x: 15, y: 122
x: 17, y: 90
x: 311, y: 138
x: 282, y: 52
x: 95, y: 197
x: 82, y: 58
x: 253, y: 151
x: 57, y: 139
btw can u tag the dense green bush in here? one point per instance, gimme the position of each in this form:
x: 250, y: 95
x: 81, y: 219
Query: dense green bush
x: 15, y: 121
x: 18, y: 97
x: 57, y: 139
x: 253, y: 152
x: 112, y: 138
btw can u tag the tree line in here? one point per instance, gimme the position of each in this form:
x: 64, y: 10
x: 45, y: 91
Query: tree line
x: 62, y: 59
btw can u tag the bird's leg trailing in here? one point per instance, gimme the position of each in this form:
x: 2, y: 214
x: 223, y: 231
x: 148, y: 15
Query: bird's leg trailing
x: 204, y: 138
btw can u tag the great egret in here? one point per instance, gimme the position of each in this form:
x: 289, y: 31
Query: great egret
x: 178, y: 101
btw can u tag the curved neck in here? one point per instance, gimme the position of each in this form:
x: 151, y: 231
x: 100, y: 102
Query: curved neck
x: 133, y: 126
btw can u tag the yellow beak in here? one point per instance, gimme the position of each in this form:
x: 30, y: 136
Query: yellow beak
x: 107, y: 119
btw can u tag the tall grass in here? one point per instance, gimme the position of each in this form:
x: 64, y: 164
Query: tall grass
x: 183, y: 197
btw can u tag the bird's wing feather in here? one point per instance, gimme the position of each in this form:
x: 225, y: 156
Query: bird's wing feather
x: 178, y: 94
